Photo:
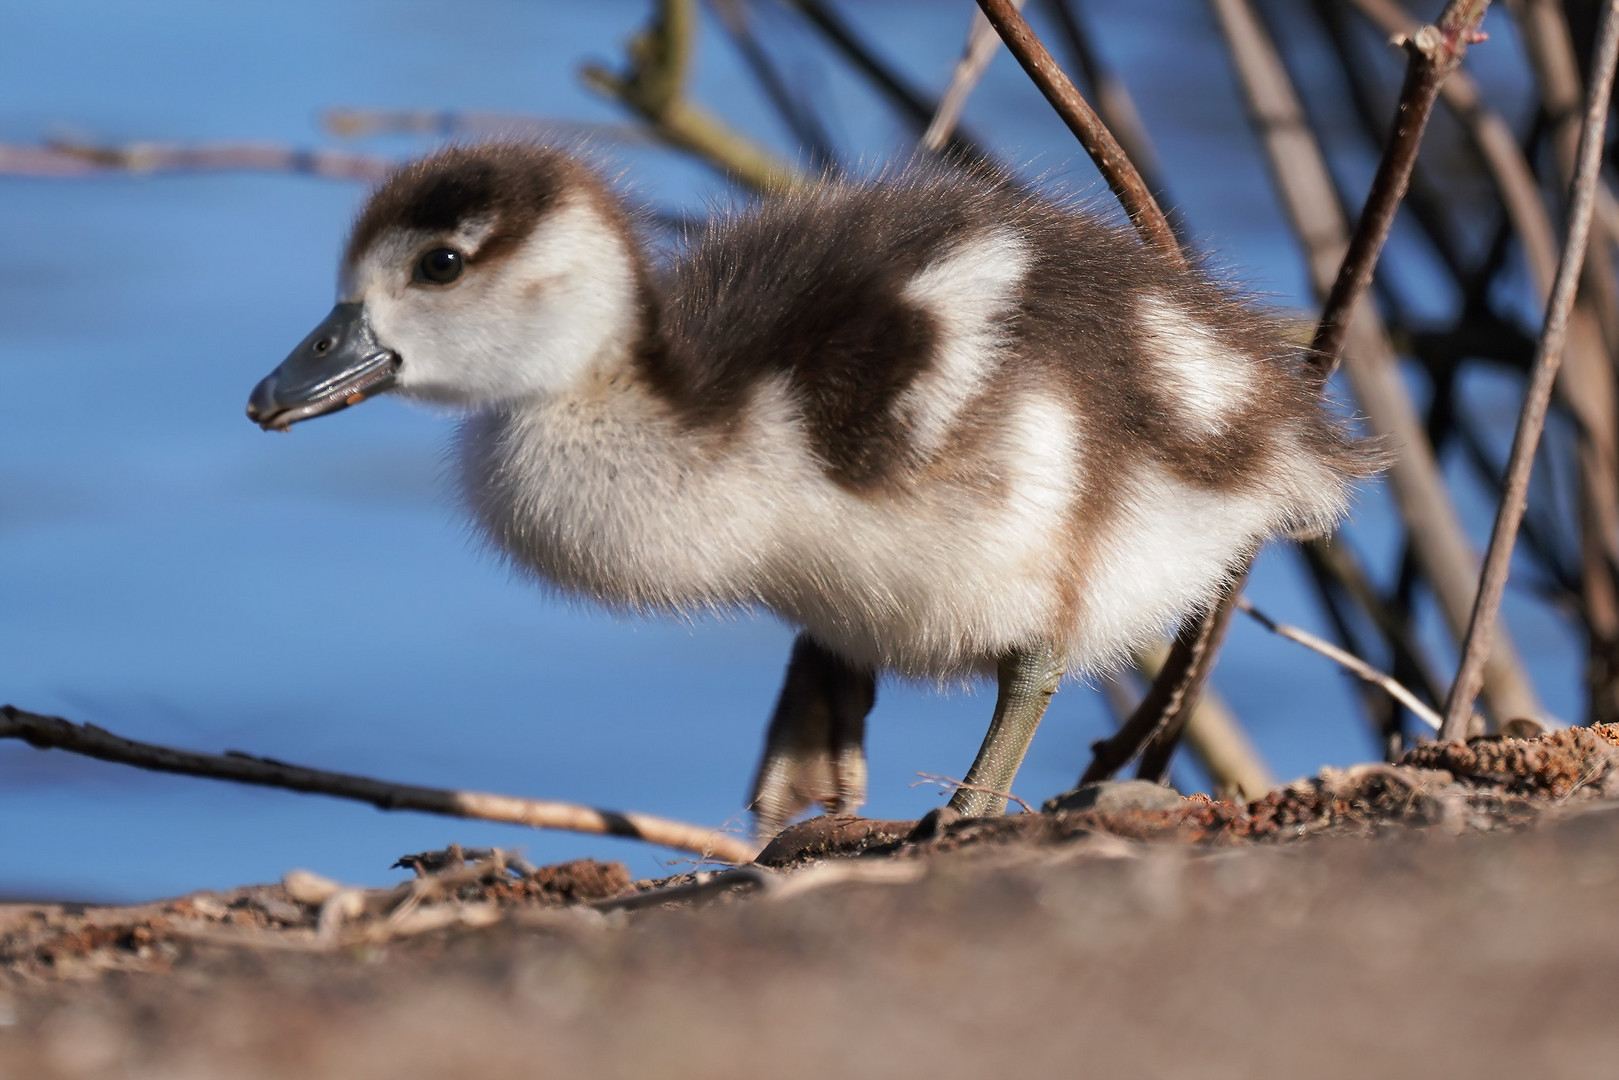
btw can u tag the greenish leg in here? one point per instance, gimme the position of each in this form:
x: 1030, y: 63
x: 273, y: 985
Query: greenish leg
x: 1028, y: 678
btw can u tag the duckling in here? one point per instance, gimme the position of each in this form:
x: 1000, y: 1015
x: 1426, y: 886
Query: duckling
x: 942, y: 424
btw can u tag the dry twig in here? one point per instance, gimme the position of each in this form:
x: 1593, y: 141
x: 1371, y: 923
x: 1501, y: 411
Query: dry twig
x: 953, y: 784
x: 1587, y: 375
x: 1113, y: 101
x: 1310, y: 199
x: 1548, y: 355
x: 1216, y: 739
x: 1093, y: 135
x: 1158, y: 721
x: 799, y: 116
x: 1435, y: 52
x: 1172, y: 692
x: 654, y: 87
x: 50, y: 732
x: 1211, y: 630
x: 352, y: 123
x: 63, y: 158
x: 982, y: 44
x: 914, y: 106
x: 1351, y: 662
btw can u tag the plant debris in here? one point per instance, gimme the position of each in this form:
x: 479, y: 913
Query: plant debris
x: 1486, y: 784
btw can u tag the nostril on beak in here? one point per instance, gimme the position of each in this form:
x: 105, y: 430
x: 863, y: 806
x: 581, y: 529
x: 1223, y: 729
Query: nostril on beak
x: 323, y: 346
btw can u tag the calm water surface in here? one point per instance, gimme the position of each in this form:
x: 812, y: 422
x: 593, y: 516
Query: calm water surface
x: 170, y: 572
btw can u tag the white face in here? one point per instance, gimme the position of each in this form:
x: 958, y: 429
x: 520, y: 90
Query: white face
x: 536, y: 320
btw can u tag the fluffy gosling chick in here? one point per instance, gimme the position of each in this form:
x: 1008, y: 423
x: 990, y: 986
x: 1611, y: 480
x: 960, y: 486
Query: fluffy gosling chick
x: 941, y: 424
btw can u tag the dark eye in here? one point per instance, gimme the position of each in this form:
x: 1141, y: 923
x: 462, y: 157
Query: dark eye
x: 440, y: 266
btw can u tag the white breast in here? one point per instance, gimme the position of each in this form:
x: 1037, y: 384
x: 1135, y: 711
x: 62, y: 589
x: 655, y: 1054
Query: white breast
x: 605, y: 497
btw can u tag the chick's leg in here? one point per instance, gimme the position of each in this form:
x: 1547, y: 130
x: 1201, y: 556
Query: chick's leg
x: 1028, y: 677
x: 815, y: 748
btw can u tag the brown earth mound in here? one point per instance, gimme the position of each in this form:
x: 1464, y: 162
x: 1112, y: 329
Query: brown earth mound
x: 1180, y: 941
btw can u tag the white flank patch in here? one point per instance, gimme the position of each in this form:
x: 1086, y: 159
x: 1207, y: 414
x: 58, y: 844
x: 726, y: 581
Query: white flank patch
x: 1204, y: 376
x: 967, y: 292
x: 938, y: 582
x: 611, y: 500
x: 1167, y: 552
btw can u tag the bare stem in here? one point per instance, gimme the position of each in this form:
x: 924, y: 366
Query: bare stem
x: 1353, y: 663
x: 1548, y: 355
x: 353, y: 123
x: 1093, y: 135
x: 1159, y: 719
x: 1306, y: 191
x: 961, y: 785
x: 796, y: 112
x: 1213, y: 735
x: 914, y: 106
x: 653, y: 86
x: 1113, y: 101
x: 1435, y: 51
x: 80, y: 159
x: 982, y: 44
x: 54, y: 733
x: 1210, y: 635
x: 1170, y: 695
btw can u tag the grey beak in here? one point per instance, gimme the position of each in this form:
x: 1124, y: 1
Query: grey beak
x: 339, y: 364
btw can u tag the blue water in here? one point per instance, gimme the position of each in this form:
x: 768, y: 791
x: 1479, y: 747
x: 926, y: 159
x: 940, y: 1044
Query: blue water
x: 171, y: 573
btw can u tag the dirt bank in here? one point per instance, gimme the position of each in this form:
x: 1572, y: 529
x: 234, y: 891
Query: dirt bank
x: 1450, y: 916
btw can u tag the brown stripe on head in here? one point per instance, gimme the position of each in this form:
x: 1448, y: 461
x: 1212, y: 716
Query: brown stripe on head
x: 510, y: 185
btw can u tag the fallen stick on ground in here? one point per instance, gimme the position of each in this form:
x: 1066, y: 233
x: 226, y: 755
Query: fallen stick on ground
x: 54, y: 733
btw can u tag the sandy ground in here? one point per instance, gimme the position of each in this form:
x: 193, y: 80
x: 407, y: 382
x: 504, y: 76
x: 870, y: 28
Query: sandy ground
x: 1452, y: 917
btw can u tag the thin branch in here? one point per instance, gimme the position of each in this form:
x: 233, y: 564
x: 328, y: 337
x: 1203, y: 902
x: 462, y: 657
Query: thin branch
x: 704, y: 885
x: 1337, y: 560
x: 1349, y: 661
x: 1586, y: 381
x: 1093, y: 135
x: 1113, y: 101
x: 49, y: 732
x: 79, y: 159
x: 982, y: 45
x: 795, y: 112
x: 653, y: 86
x: 1214, y: 736
x: 1163, y: 712
x: 1547, y: 39
x: 1435, y: 52
x: 1493, y: 138
x: 1308, y: 195
x: 914, y: 106
x: 1212, y: 627
x: 1198, y: 643
x: 1175, y: 687
x: 1587, y: 376
x: 1384, y: 712
x: 961, y: 785
x: 353, y: 123
x: 1547, y: 357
